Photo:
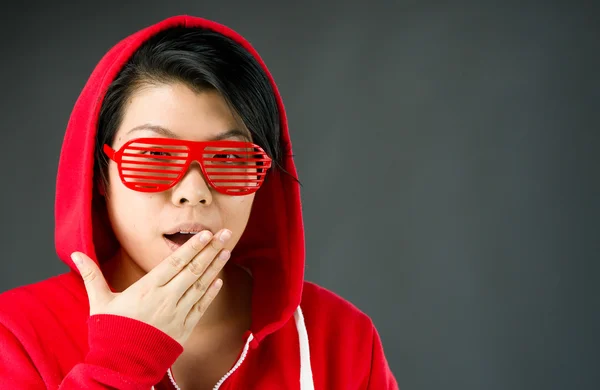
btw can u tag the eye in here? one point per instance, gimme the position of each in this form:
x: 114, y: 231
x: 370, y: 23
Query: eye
x: 155, y: 153
x: 228, y: 156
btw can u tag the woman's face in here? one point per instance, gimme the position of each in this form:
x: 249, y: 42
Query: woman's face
x: 140, y: 220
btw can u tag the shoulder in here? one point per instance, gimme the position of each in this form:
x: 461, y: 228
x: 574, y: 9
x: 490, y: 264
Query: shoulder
x: 37, y: 302
x: 341, y: 338
x: 324, y: 308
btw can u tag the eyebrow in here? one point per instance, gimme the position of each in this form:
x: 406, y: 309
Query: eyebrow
x: 231, y: 133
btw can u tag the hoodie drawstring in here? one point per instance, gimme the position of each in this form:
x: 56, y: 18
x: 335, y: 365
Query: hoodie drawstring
x: 306, y: 377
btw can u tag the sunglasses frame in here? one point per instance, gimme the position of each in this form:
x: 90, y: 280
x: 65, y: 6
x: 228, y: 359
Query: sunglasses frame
x: 195, y: 152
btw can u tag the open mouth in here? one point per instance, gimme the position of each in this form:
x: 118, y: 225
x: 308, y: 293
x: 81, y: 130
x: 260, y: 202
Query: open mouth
x: 179, y: 238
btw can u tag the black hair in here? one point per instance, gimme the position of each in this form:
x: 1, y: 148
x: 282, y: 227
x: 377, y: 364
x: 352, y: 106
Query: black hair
x: 203, y: 60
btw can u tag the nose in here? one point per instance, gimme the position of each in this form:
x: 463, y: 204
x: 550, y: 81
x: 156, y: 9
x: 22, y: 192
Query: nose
x: 192, y: 189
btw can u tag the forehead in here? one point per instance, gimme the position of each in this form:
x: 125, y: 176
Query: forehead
x: 176, y: 111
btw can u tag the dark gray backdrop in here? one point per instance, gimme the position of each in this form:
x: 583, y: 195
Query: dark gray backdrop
x: 448, y: 156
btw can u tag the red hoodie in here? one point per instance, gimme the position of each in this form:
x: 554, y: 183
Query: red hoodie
x: 302, y: 336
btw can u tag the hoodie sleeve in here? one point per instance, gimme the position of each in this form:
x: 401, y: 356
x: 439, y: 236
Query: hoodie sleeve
x: 123, y: 354
x: 381, y: 377
x: 16, y: 369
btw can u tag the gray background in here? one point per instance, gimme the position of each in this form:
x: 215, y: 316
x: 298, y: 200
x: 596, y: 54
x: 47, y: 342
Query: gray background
x: 448, y: 154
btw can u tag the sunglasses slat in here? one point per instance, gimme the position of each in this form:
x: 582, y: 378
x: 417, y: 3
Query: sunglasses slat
x: 154, y: 163
x: 236, y: 181
x: 234, y: 166
x: 158, y: 149
x: 152, y: 157
x: 238, y: 173
x: 167, y: 171
x: 157, y: 178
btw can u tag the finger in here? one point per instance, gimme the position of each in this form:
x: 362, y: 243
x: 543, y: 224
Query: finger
x: 178, y: 260
x: 200, y: 307
x: 188, y: 276
x: 96, y: 287
x: 199, y: 288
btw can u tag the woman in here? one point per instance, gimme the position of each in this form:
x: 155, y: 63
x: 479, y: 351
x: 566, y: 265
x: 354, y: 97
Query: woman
x: 178, y: 212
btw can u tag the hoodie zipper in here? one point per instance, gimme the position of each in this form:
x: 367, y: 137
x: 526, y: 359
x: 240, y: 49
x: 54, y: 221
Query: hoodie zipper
x: 237, y: 365
x: 227, y: 375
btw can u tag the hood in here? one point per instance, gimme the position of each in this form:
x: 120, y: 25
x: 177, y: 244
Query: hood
x: 272, y: 246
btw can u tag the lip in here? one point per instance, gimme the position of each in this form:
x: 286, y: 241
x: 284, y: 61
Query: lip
x: 188, y: 227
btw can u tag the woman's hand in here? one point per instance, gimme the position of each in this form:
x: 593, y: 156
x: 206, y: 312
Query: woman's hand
x: 173, y: 296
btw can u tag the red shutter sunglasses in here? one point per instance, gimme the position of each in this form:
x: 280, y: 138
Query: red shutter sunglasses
x: 157, y: 164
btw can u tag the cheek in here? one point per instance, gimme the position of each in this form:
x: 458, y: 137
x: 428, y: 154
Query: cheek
x: 130, y: 212
x: 236, y: 211
x: 240, y: 206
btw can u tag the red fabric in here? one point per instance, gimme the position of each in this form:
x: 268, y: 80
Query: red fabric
x: 48, y: 340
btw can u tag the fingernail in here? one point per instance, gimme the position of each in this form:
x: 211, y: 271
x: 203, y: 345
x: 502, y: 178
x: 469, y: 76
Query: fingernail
x: 226, y: 235
x: 76, y: 259
x: 204, y: 237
